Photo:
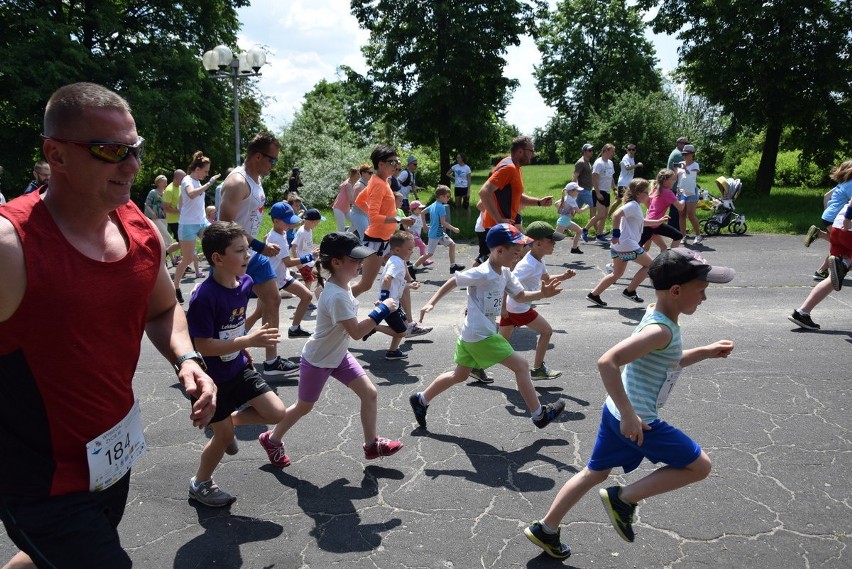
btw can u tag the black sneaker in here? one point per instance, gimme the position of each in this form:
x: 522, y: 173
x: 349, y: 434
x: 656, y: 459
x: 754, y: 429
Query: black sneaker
x: 837, y: 271
x: 298, y: 333
x: 419, y: 409
x: 279, y: 367
x: 479, y: 375
x: 803, y: 321
x: 549, y: 413
x: 368, y: 334
x: 620, y: 512
x: 395, y: 355
x: 821, y: 275
x: 596, y: 299
x: 549, y: 542
x: 631, y: 295
x: 412, y: 272
x: 454, y: 268
x: 179, y: 296
x: 576, y: 250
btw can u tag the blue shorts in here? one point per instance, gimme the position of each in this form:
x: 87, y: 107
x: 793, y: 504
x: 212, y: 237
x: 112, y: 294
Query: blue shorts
x: 626, y: 255
x: 584, y: 197
x: 663, y: 443
x: 688, y: 199
x: 191, y: 231
x: 565, y: 221
x: 260, y: 269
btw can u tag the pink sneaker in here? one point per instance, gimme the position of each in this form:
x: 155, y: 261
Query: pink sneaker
x: 381, y: 448
x: 200, y: 275
x: 428, y: 262
x: 275, y: 452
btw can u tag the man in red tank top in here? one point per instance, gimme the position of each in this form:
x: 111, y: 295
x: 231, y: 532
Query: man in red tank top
x: 70, y: 426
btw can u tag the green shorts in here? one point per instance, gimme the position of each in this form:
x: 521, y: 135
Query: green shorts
x: 484, y: 353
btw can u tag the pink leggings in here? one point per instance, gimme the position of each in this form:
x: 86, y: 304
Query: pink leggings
x: 420, y: 244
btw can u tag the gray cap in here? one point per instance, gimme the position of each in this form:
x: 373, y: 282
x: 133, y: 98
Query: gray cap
x: 688, y: 149
x: 588, y: 147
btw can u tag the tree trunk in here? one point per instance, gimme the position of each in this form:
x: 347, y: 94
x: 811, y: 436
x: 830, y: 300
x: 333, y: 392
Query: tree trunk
x: 766, y: 170
x: 444, y: 160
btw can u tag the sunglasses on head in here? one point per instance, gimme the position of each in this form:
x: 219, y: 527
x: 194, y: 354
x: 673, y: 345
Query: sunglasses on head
x: 110, y: 152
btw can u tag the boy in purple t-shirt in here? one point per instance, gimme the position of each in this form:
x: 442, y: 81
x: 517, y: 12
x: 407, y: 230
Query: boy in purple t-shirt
x: 216, y: 319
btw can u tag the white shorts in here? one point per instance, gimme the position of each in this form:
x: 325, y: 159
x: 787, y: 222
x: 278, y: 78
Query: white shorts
x: 435, y: 241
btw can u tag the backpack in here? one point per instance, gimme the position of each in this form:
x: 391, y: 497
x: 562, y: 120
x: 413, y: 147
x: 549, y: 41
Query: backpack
x: 407, y: 181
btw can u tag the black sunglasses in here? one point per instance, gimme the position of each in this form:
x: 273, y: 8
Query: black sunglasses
x: 111, y: 152
x: 273, y: 160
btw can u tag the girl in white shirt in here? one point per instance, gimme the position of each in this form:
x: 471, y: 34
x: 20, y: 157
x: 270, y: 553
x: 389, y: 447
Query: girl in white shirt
x: 687, y: 183
x: 629, y: 220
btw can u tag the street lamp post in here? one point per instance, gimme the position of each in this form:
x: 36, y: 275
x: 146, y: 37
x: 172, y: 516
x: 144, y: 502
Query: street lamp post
x: 222, y: 63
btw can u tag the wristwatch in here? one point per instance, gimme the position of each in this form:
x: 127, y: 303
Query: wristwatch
x: 194, y: 355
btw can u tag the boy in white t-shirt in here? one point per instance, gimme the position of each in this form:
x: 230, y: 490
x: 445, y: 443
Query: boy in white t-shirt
x: 284, y: 218
x: 531, y: 273
x: 479, y: 345
x: 303, y: 245
x: 394, y: 281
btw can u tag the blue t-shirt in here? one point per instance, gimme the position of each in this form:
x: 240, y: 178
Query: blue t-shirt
x: 218, y: 312
x: 839, y: 197
x: 436, y: 211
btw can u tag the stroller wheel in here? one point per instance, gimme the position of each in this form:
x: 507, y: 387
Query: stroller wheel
x: 737, y: 227
x: 712, y: 227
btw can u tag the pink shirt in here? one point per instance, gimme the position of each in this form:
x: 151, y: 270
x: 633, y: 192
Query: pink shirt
x: 345, y: 193
x: 659, y: 204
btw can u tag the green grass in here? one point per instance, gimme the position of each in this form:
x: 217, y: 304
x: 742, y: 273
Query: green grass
x: 787, y: 210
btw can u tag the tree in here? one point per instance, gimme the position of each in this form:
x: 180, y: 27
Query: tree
x: 321, y: 142
x: 590, y: 52
x: 770, y: 63
x: 436, y: 67
x: 146, y: 50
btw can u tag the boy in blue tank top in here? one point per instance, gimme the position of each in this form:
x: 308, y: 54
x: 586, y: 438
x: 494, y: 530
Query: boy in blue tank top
x: 630, y: 429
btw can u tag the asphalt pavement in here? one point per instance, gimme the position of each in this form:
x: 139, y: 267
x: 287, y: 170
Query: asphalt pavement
x: 774, y: 418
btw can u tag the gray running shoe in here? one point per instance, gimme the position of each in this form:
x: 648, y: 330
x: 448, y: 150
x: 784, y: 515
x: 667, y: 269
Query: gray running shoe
x: 837, y: 271
x: 541, y: 372
x: 549, y: 413
x: 480, y: 375
x: 209, y: 494
x: 812, y: 235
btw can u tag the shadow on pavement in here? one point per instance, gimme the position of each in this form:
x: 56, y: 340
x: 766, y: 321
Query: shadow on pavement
x: 337, y: 523
x: 220, y: 543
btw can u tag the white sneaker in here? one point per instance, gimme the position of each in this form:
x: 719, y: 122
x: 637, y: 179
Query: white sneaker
x: 698, y: 239
x: 609, y: 268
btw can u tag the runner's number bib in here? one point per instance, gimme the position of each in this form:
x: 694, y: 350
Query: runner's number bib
x: 112, y: 454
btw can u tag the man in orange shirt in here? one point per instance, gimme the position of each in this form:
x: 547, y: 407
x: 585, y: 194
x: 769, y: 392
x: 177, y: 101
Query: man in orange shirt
x: 503, y: 196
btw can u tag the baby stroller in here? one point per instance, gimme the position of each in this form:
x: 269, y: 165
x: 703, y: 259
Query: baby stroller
x: 724, y: 213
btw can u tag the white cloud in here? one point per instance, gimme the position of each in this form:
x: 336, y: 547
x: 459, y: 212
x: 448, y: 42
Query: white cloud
x: 309, y: 39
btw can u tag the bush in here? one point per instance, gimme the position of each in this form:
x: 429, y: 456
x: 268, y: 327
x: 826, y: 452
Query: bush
x: 790, y: 170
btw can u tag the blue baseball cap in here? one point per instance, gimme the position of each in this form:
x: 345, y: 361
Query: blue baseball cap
x: 284, y: 212
x: 504, y: 233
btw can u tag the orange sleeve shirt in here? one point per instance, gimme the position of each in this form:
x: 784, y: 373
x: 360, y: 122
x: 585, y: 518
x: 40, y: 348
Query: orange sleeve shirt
x: 378, y: 201
x: 510, y: 187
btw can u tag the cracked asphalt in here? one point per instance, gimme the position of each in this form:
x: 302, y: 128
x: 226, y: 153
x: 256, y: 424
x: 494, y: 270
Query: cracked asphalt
x: 774, y: 418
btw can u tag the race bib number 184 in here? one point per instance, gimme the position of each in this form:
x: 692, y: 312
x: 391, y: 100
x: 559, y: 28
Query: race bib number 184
x: 112, y: 454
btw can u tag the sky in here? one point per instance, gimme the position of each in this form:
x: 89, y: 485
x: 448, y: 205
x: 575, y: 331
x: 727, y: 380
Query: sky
x: 307, y: 40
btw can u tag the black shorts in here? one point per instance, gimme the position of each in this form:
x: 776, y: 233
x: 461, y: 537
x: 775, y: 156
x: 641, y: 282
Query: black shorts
x: 74, y: 530
x: 484, y: 251
x: 397, y: 321
x: 237, y: 391
x: 663, y: 229
x: 604, y: 201
x: 461, y: 192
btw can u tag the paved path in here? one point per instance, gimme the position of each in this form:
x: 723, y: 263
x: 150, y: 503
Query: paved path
x: 774, y: 418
